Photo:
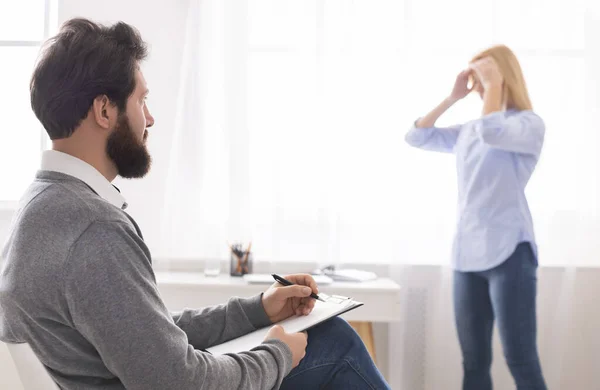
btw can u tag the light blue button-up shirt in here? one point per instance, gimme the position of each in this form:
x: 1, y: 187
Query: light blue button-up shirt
x: 495, y: 157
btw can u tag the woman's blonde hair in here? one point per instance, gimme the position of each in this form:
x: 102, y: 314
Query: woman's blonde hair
x: 514, y: 89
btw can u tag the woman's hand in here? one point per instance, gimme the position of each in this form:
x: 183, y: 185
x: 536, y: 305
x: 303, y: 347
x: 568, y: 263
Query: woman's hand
x: 488, y: 73
x: 461, y: 88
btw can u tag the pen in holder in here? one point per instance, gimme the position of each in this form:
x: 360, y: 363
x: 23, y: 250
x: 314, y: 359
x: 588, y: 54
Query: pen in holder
x: 241, y: 260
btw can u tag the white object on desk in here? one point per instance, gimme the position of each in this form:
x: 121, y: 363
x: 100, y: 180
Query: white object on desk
x: 321, y: 312
x: 352, y: 275
x: 321, y: 280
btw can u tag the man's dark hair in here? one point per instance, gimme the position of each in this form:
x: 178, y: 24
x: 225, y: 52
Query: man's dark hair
x: 83, y: 61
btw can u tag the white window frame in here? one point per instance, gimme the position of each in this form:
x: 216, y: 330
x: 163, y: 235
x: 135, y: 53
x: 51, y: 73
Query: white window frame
x: 49, y: 22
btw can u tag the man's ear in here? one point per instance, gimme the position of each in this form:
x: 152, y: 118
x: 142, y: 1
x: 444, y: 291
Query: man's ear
x: 104, y: 111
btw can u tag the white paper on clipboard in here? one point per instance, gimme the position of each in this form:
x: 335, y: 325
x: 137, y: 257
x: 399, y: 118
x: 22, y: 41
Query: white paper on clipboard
x: 333, y: 306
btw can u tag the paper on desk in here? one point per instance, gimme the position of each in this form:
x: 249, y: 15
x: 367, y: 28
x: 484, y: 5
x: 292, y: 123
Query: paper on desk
x: 352, y: 275
x: 321, y: 280
x: 321, y: 312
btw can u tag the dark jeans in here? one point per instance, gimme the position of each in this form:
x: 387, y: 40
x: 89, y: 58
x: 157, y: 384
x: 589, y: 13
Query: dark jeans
x: 506, y: 293
x: 336, y: 358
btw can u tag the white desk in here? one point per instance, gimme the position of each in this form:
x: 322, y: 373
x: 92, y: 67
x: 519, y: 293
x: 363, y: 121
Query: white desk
x: 381, y: 297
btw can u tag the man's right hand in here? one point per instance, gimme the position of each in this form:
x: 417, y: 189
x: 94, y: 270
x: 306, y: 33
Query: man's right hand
x: 295, y: 341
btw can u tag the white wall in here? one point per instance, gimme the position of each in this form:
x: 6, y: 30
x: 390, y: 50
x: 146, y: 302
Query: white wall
x: 162, y: 25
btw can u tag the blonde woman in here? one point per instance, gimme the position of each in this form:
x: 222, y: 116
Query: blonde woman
x: 494, y: 250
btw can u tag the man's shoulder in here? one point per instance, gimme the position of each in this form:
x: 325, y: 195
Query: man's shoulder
x: 61, y: 210
x: 52, y: 216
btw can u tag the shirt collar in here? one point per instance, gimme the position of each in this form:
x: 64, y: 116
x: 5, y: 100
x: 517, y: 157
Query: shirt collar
x: 56, y: 161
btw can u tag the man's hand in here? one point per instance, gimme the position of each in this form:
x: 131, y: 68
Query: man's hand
x: 281, y: 302
x: 295, y: 341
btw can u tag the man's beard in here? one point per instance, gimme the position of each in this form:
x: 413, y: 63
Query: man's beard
x: 127, y: 151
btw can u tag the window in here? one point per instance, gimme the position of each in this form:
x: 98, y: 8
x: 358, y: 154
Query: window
x: 335, y: 85
x: 24, y: 25
x: 304, y: 106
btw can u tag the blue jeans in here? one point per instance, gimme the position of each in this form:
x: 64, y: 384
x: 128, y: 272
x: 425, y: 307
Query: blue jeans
x: 506, y: 293
x: 336, y: 358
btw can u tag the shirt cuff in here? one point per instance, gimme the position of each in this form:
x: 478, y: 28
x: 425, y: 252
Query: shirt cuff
x: 255, y: 311
x: 283, y: 356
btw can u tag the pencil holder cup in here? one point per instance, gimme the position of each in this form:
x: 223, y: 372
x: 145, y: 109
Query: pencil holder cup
x: 241, y: 264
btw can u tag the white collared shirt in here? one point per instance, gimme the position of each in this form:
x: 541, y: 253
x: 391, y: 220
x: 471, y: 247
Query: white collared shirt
x: 56, y: 161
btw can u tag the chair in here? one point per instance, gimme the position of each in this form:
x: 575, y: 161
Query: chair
x: 32, y: 373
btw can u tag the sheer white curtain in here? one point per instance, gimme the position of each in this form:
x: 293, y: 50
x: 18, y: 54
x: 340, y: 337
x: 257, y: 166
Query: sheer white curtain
x: 24, y: 25
x: 292, y: 115
x: 196, y: 209
x: 290, y: 133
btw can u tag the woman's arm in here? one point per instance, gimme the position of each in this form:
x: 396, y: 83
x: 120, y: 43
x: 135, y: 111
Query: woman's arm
x: 492, y: 81
x: 425, y: 135
x: 459, y: 91
x: 436, y: 139
x: 492, y: 99
x: 432, y: 117
x: 522, y: 132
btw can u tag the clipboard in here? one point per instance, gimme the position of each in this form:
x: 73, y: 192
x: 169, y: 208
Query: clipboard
x: 333, y: 306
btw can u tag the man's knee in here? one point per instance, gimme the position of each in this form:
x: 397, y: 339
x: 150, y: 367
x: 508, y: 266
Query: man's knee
x: 336, y: 329
x: 335, y: 325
